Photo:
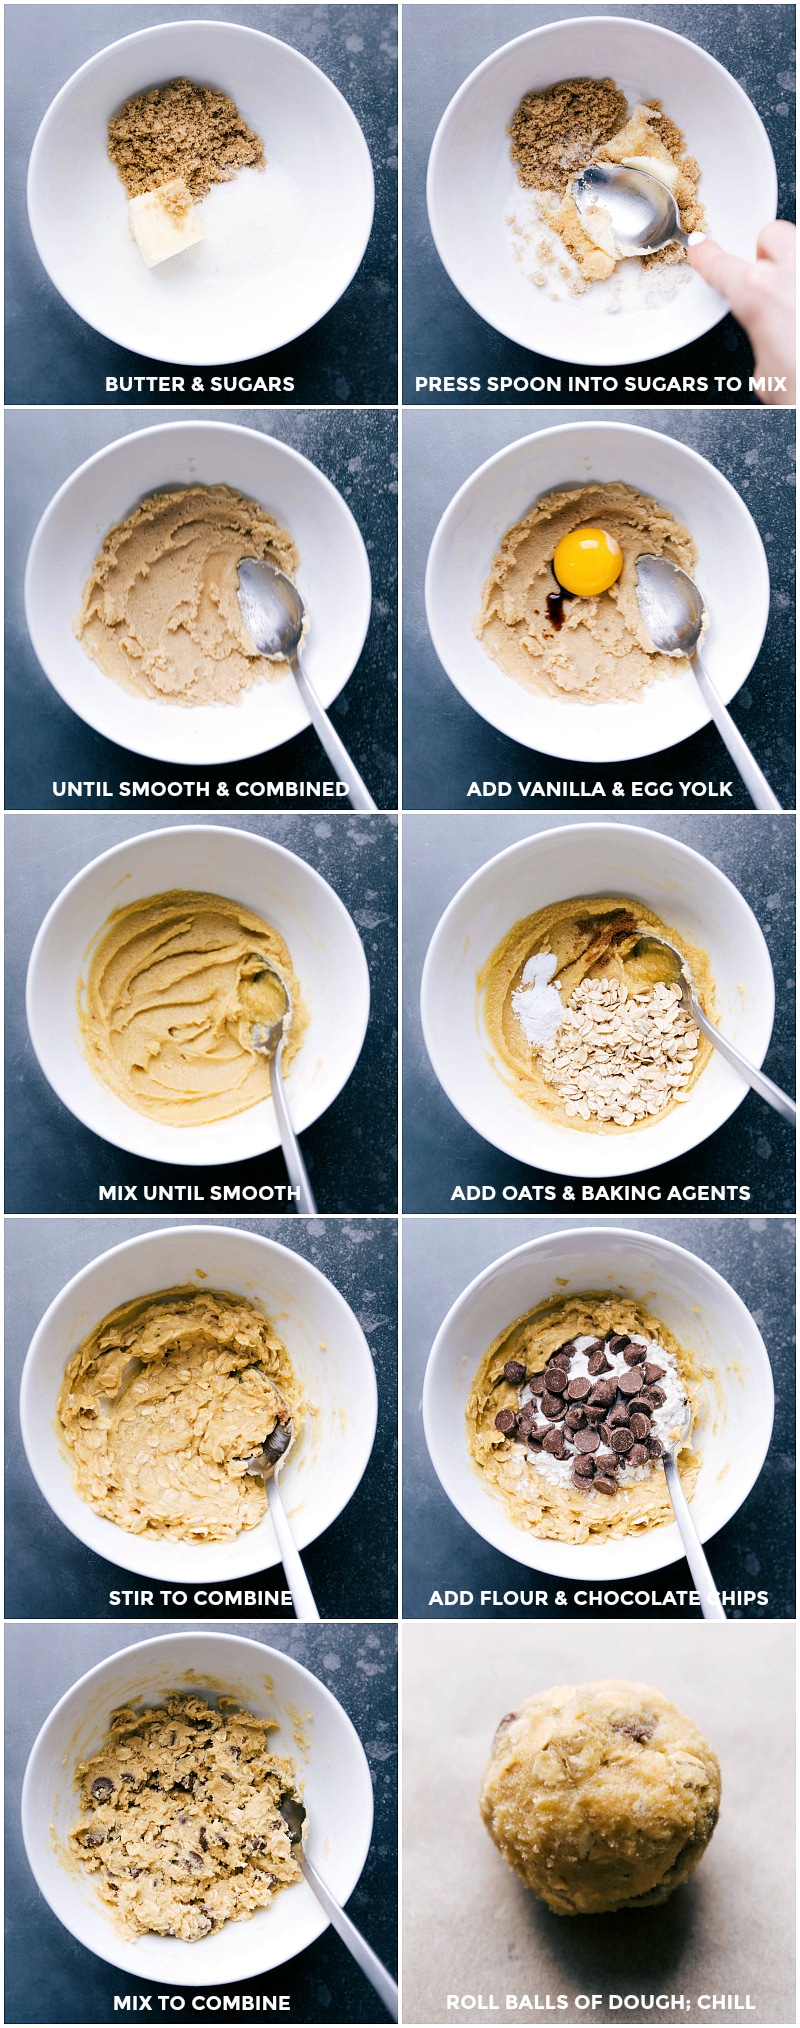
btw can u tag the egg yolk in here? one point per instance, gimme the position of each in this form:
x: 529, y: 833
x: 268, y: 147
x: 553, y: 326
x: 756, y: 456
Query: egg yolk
x: 587, y: 561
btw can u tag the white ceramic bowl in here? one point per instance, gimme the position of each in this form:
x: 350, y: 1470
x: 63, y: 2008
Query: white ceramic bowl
x: 688, y: 893
x: 731, y: 573
x: 328, y: 1351
x: 189, y: 309
x: 333, y: 578
x: 733, y: 1427
x: 471, y: 179
x: 334, y: 1775
x: 326, y: 950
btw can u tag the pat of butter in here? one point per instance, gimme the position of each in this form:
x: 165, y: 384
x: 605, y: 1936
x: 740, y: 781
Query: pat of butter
x: 164, y: 221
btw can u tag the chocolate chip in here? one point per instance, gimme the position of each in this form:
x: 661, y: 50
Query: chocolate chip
x: 102, y: 1789
x: 508, y: 1720
x: 621, y: 1441
x: 653, y: 1373
x: 587, y: 1440
x: 226, y: 1777
x: 630, y: 1381
x: 553, y: 1407
x: 656, y: 1397
x: 506, y: 1421
x: 604, y: 1484
x: 581, y: 1485
x: 575, y: 1418
x: 640, y: 1427
x: 534, y: 1443
x: 564, y: 1354
x: 129, y: 1778
x: 584, y: 1467
x: 538, y: 1383
x: 557, y: 1379
x: 655, y: 1448
x: 597, y: 1362
x: 640, y: 1405
x: 203, y: 1839
x: 594, y: 1416
x: 633, y: 1355
x: 93, y: 1838
x: 640, y: 1729
x: 553, y: 1443
x: 194, y: 1861
x: 603, y: 1393
x: 618, y: 1342
x: 579, y: 1389
x: 618, y: 1415
x: 638, y: 1455
x: 526, y: 1420
x: 514, y: 1372
x: 186, y: 1781
x: 592, y: 1347
x: 607, y: 1461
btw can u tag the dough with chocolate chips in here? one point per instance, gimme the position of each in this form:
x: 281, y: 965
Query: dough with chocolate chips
x: 180, y: 1824
x: 601, y: 1796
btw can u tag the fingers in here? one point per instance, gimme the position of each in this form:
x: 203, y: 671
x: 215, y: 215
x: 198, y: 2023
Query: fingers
x: 722, y: 271
x: 778, y: 241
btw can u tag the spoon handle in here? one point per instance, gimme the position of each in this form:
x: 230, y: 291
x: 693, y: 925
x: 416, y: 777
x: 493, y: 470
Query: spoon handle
x: 357, y: 1945
x: 329, y: 739
x: 756, y: 784
x: 694, y: 1552
x: 298, y: 1175
x: 302, y: 1594
x: 776, y: 1098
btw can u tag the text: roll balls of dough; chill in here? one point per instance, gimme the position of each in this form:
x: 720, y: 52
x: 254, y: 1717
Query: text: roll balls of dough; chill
x: 602, y: 1796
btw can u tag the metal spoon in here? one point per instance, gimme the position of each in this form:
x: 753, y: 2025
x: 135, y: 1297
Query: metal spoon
x: 266, y: 1465
x: 293, y: 1814
x: 267, y: 1039
x: 694, y: 1552
x: 643, y: 213
x: 273, y: 613
x: 673, y: 611
x: 691, y: 1005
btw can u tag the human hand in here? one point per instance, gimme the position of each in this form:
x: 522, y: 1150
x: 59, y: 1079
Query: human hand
x: 761, y: 294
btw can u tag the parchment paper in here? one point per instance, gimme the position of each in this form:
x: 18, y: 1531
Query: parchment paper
x: 470, y: 1926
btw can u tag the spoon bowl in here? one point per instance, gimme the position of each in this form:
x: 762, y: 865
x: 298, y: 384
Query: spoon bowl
x: 675, y: 616
x: 641, y: 209
x: 267, y: 1039
x: 690, y: 1002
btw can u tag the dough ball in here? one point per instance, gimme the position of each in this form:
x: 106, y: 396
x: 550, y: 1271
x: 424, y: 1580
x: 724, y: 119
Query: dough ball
x: 601, y: 1795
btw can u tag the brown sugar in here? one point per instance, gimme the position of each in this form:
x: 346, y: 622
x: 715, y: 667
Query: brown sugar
x: 556, y: 133
x: 181, y: 130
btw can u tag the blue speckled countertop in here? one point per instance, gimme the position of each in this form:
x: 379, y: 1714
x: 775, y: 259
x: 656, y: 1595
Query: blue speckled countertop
x: 357, y: 451
x: 754, y: 1148
x: 754, y: 1552
x: 350, y: 356
x: 50, y: 1977
x: 441, y: 47
x: 55, y: 1164
x: 447, y: 745
x: 352, y: 1567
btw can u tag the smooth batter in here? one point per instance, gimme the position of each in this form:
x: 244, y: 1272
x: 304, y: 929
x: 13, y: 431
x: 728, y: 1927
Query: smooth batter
x: 160, y: 612
x: 180, y: 1822
x: 163, y: 1401
x: 583, y: 945
x: 555, y: 1512
x: 602, y: 652
x: 601, y: 1796
x: 168, y: 1007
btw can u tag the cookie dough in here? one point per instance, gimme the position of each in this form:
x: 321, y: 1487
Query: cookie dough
x: 593, y: 650
x: 180, y: 1825
x: 594, y: 937
x: 168, y: 1006
x: 601, y: 1796
x: 541, y: 1501
x: 160, y: 612
x: 161, y: 1403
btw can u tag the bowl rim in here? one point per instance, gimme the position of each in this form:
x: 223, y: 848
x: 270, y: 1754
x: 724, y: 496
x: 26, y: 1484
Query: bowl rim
x: 32, y: 1409
x: 585, y: 831
x: 118, y: 1953
x: 132, y: 1142
x: 495, y: 1510
x: 31, y: 595
x: 162, y: 29
x: 594, y: 429
x: 717, y: 307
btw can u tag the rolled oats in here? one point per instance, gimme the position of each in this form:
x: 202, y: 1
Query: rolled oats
x: 621, y: 1056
